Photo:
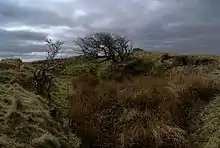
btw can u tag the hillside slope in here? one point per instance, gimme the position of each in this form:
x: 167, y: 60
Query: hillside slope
x: 25, y: 119
x: 154, y: 100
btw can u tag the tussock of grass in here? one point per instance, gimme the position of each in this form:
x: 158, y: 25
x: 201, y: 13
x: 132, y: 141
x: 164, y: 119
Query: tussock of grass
x: 46, y: 141
x: 161, y: 109
x: 145, y: 130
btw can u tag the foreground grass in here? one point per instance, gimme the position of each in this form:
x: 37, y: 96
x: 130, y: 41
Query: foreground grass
x: 26, y: 122
x: 143, y: 112
x: 143, y: 102
x: 25, y: 119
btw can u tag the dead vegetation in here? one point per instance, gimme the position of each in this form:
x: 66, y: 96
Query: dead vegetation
x: 140, y: 112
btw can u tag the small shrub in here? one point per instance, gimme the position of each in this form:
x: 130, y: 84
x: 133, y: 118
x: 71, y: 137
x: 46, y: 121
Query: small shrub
x: 125, y: 70
x: 204, y: 61
x: 135, y: 67
x: 137, y: 50
x: 183, y: 60
x: 165, y: 56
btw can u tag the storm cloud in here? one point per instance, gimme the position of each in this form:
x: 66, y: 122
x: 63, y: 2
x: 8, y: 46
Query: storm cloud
x: 185, y: 26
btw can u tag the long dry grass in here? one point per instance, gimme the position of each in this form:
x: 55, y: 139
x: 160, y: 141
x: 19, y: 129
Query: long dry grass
x: 142, y: 112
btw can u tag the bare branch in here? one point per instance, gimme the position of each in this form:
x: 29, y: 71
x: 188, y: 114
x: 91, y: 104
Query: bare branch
x: 52, y: 49
x: 44, y: 75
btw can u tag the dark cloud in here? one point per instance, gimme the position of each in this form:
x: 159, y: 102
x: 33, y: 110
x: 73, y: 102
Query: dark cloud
x: 15, y: 14
x: 12, y: 42
x: 21, y: 35
x: 180, y: 26
x: 185, y: 26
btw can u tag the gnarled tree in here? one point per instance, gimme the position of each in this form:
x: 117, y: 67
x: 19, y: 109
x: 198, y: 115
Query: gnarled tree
x: 104, y: 45
x: 43, y: 75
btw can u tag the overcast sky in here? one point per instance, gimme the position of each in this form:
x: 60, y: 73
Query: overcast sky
x: 182, y: 26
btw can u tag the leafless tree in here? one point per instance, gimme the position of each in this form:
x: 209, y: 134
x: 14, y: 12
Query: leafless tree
x: 43, y: 75
x: 53, y: 48
x: 104, y: 45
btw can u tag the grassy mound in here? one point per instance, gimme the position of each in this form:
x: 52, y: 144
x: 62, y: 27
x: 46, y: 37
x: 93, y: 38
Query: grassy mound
x: 15, y: 71
x: 25, y: 121
x: 142, y: 112
x: 209, y: 132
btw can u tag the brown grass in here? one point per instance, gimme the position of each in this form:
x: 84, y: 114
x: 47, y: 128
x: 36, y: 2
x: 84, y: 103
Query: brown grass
x: 142, y: 112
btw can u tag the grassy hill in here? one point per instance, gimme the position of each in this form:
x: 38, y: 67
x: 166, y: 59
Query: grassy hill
x: 154, y: 100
